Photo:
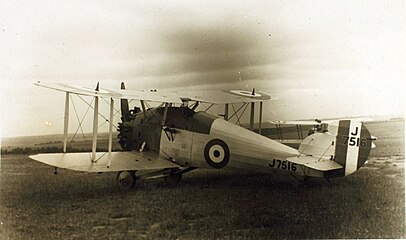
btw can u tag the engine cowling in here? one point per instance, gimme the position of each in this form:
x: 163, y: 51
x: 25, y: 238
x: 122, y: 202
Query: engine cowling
x: 126, y: 139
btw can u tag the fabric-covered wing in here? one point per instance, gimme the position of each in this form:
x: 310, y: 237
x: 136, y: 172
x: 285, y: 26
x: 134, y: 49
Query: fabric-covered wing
x: 207, y: 96
x: 87, y: 91
x: 331, y: 121
x: 223, y: 96
x: 107, y: 93
x: 119, y: 161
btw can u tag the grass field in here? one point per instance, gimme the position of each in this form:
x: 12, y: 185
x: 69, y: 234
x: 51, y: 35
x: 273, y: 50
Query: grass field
x: 36, y: 204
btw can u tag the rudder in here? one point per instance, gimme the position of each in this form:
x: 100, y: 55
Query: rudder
x: 353, y: 145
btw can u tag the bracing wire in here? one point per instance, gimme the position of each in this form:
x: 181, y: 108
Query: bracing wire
x: 80, y: 122
x: 236, y: 112
x: 105, y: 118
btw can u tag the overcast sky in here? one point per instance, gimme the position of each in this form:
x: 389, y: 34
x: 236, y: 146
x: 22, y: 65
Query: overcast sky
x: 321, y: 58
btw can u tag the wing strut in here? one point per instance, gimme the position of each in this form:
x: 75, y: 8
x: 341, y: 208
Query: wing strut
x: 95, y: 126
x: 165, y: 114
x: 226, y: 111
x: 260, y: 117
x: 143, y: 108
x: 111, y: 129
x: 66, y: 123
x: 252, y: 116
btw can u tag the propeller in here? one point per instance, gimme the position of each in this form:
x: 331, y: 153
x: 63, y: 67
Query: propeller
x: 125, y: 112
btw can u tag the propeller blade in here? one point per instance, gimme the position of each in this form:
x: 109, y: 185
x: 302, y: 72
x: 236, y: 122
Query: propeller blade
x: 125, y: 112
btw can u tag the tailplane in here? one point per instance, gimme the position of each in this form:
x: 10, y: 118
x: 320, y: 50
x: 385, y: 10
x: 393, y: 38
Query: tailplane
x: 336, y: 153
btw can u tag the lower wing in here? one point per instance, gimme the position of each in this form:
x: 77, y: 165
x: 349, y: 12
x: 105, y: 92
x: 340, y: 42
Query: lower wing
x: 117, y: 161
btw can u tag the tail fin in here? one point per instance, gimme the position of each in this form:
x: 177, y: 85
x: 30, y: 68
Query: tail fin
x: 348, y: 144
x: 125, y: 112
x: 353, y: 145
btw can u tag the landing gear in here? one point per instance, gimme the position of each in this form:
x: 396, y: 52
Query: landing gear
x: 301, y: 179
x: 172, y: 176
x: 173, y: 179
x: 126, y: 180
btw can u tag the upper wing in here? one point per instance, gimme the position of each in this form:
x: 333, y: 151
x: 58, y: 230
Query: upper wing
x: 333, y: 121
x: 296, y: 122
x: 119, y: 161
x: 223, y: 96
x: 120, y: 93
x: 209, y: 96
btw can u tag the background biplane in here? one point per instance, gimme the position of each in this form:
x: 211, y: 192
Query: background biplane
x: 174, y: 138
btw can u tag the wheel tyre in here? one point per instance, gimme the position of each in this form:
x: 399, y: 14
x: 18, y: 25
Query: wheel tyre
x: 173, y: 180
x: 126, y: 180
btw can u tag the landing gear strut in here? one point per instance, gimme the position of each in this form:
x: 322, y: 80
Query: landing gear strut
x: 126, y: 180
x: 302, y: 179
x: 173, y: 179
x: 172, y: 176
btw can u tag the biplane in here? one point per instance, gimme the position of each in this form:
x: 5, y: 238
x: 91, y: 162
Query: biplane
x: 174, y: 138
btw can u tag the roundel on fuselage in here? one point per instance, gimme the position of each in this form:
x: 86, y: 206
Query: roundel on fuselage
x: 216, y: 153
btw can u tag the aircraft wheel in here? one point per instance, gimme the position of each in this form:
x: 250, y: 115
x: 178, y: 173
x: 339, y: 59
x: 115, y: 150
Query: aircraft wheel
x: 126, y: 180
x: 173, y: 180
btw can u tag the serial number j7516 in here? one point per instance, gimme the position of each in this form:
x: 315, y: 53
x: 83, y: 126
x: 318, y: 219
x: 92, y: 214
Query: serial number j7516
x: 285, y: 165
x: 358, y: 142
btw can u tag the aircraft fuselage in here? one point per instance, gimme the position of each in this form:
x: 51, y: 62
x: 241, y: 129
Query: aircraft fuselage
x: 198, y: 139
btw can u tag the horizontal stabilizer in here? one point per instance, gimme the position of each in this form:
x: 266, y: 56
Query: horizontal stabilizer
x: 119, y: 161
x: 320, y: 164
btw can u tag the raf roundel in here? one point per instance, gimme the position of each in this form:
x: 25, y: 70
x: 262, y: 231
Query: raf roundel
x: 217, y: 153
